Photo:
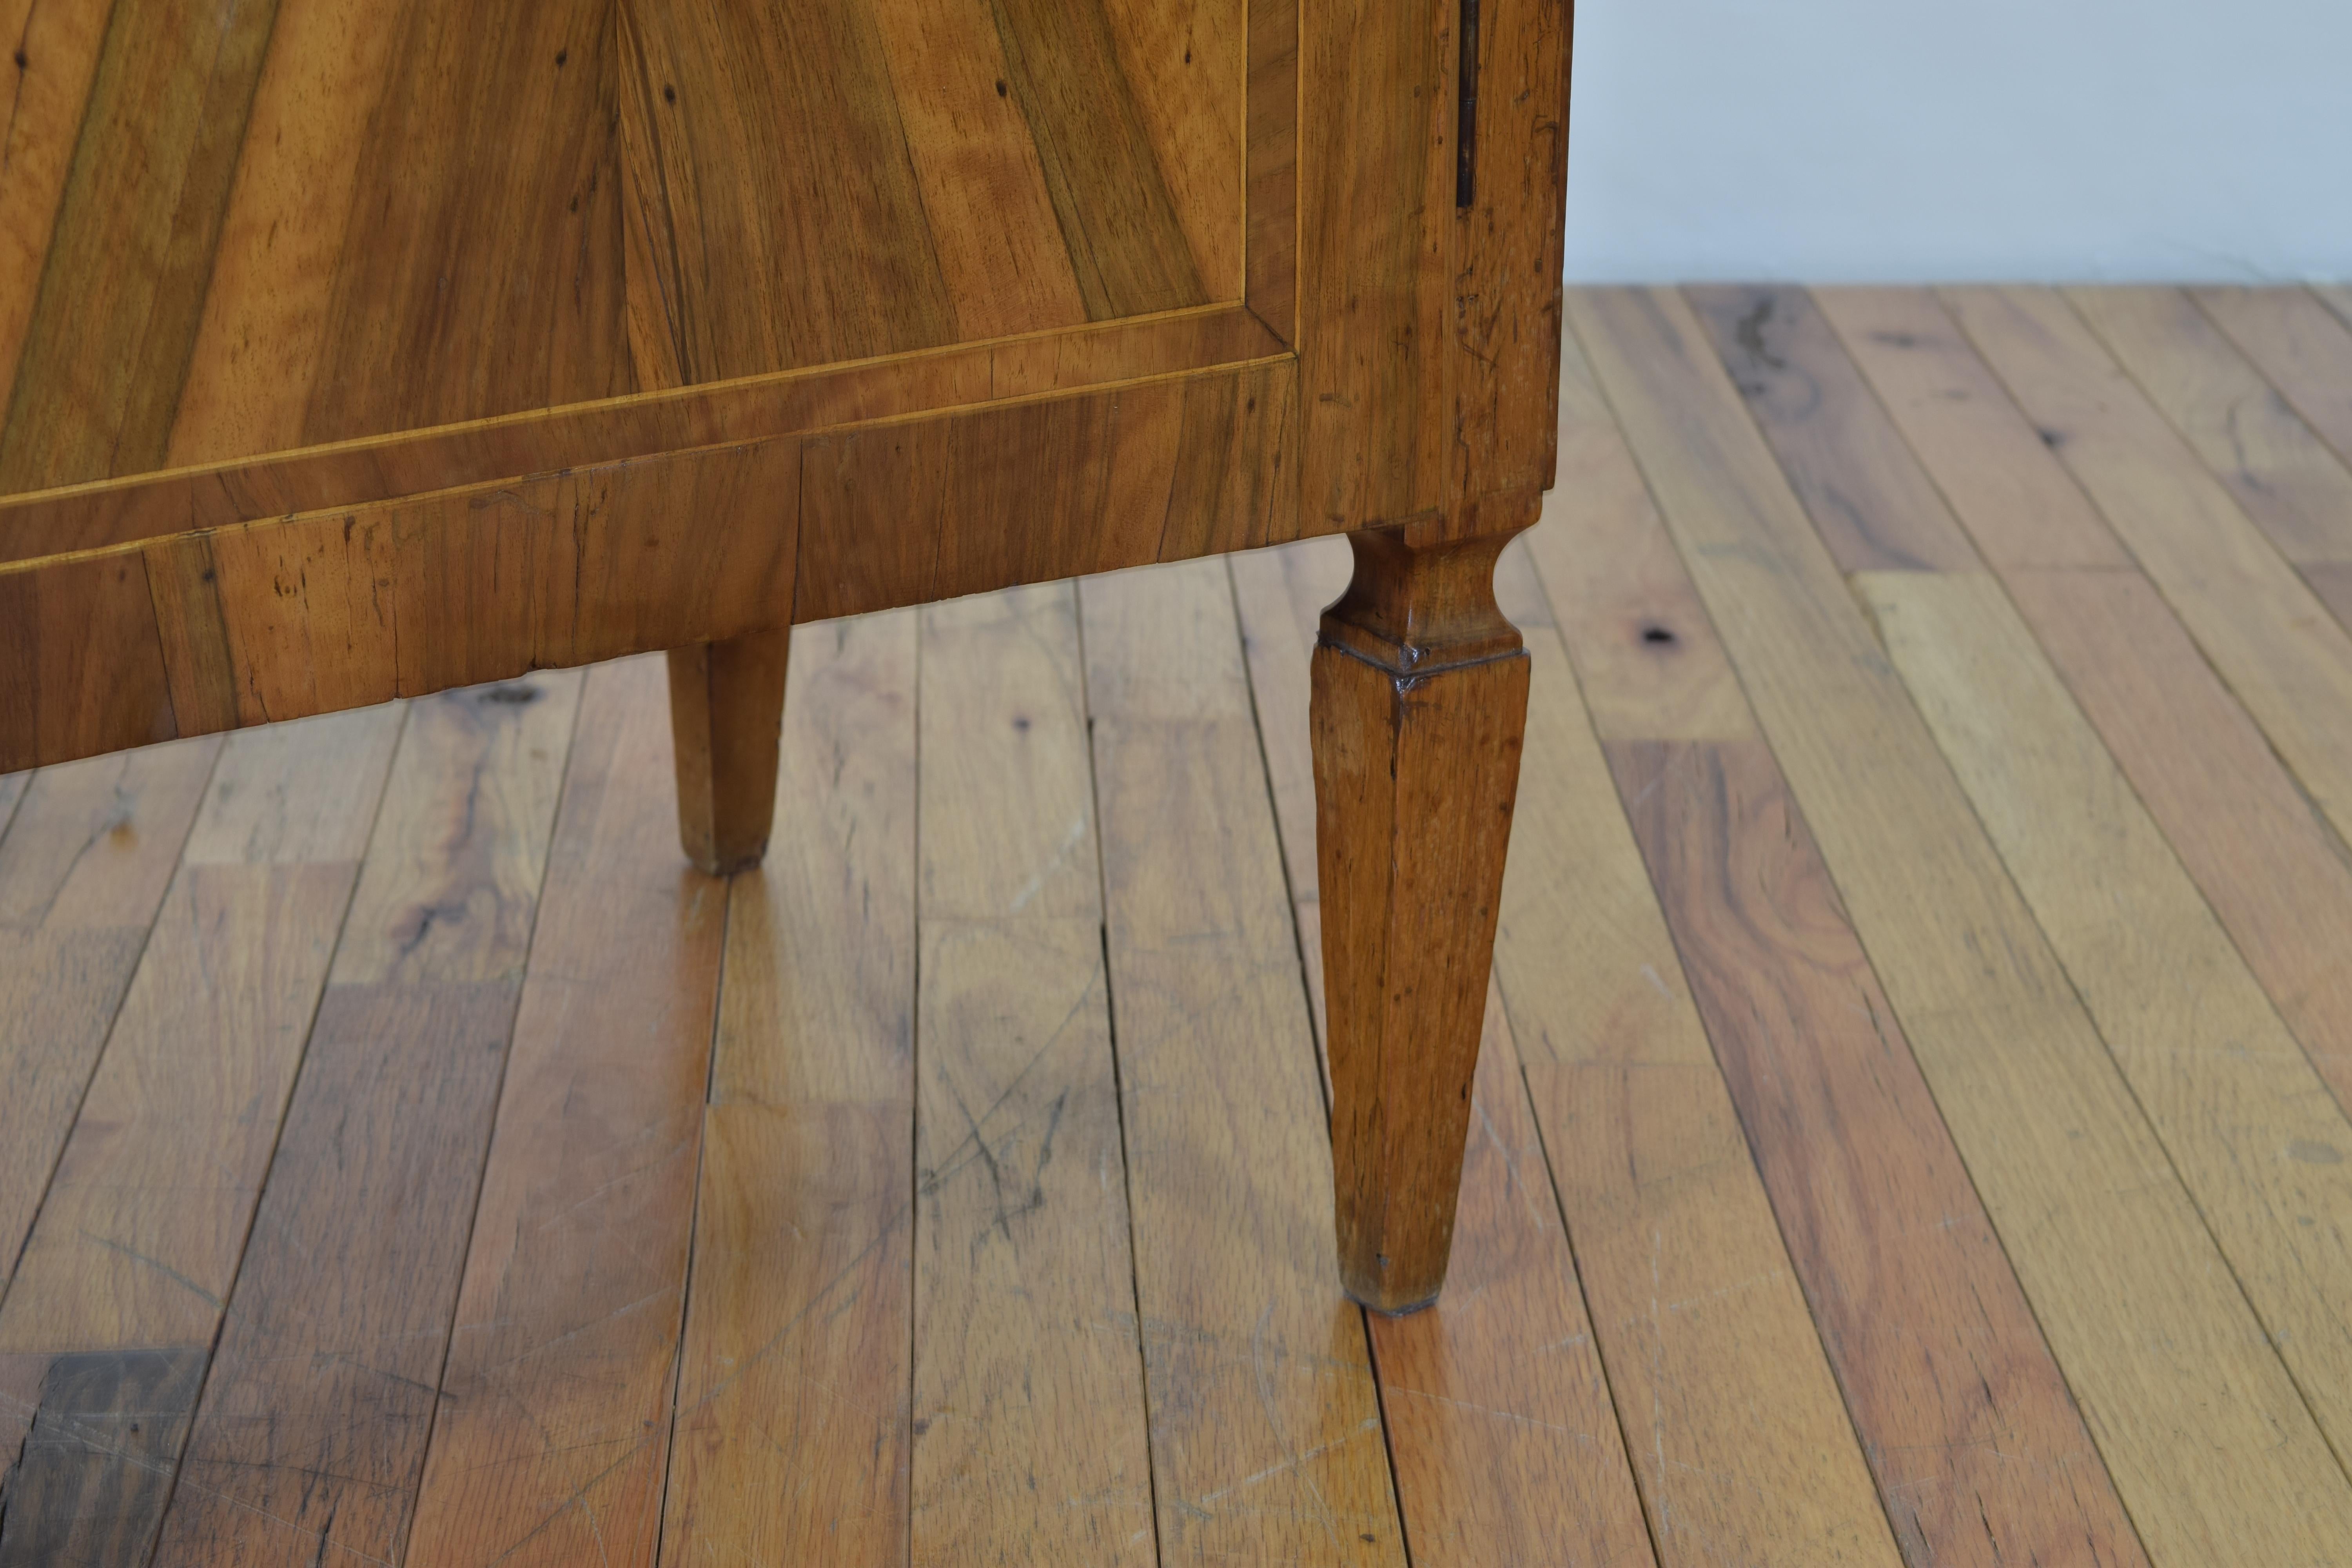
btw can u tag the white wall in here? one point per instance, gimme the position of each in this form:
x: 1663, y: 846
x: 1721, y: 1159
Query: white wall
x: 1903, y: 140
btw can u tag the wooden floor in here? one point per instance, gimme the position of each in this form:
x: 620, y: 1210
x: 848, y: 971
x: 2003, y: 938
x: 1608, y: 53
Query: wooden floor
x: 1912, y: 1126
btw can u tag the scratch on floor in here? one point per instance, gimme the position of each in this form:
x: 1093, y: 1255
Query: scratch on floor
x: 1262, y: 1375
x: 1036, y: 883
x: 1720, y: 1291
x: 1490, y: 1410
x: 166, y: 1269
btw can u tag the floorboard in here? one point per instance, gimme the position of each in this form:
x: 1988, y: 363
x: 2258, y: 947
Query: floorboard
x: 2281, y: 652
x: 111, y: 1317
x: 2270, y: 866
x: 1702, y: 1324
x: 2237, y: 1105
x: 1266, y: 1427
x: 88, y: 852
x: 2205, y: 1056
x: 550, y: 1433
x: 1032, y: 1442
x: 793, y: 1432
x: 1942, y: 1367
x: 1911, y: 1125
x: 2280, y: 474
x: 2212, y: 1448
x: 311, y: 1434
x: 2302, y: 343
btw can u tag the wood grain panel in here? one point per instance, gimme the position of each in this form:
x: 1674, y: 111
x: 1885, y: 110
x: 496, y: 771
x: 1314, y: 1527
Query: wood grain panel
x: 349, y: 473
x: 267, y: 621
x: 904, y: 512
x: 793, y: 1432
x: 1700, y: 1320
x: 119, y: 1293
x: 986, y: 211
x: 773, y: 214
x: 1113, y: 196
x: 1500, y: 1456
x: 82, y: 664
x: 2199, y: 1425
x: 333, y: 611
x: 123, y: 278
x: 1375, y: 180
x: 2225, y: 1086
x: 1186, y: 64
x: 1508, y: 254
x: 311, y: 1433
x: 376, y: 219
x: 2300, y: 345
x: 1265, y: 1430
x: 86, y: 857
x: 1426, y: 329
x: 550, y: 1433
x: 258, y: 354
x: 480, y: 270
x: 2287, y: 658
x: 1270, y: 259
x: 1028, y: 1373
x: 1992, y: 465
x: 41, y: 105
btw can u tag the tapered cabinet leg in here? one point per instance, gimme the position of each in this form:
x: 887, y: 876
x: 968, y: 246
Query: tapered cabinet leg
x: 1420, y: 702
x: 726, y: 718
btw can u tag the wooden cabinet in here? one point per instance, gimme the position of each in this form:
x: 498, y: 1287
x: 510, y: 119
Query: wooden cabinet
x: 357, y: 348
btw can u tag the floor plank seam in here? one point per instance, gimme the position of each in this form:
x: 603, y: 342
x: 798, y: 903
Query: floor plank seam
x: 1117, y: 1068
x: 8, y: 1275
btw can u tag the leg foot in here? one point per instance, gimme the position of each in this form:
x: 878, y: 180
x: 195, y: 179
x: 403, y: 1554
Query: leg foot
x: 1420, y: 702
x: 726, y: 718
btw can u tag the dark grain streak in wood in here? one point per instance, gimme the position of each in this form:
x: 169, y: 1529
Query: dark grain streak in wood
x: 771, y: 196
x: 124, y: 278
x: 1875, y: 509
x: 82, y: 664
x: 1118, y: 218
x: 1270, y: 259
x: 481, y: 269
x: 83, y: 867
x: 552, y: 1436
